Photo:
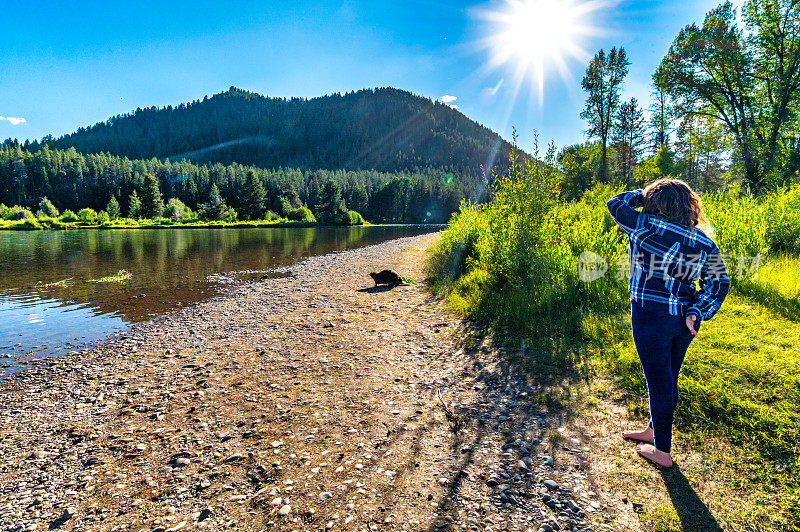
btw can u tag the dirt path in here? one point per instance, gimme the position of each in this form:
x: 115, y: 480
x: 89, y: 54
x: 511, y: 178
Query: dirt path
x: 310, y: 402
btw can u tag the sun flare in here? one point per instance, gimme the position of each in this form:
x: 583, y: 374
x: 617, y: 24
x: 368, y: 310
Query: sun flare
x: 532, y: 37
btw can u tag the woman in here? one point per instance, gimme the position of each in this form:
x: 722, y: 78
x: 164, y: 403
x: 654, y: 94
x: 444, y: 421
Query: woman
x: 669, y: 253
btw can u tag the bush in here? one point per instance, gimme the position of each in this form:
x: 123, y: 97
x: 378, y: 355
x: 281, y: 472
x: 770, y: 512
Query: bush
x: 47, y: 209
x: 68, y: 216
x: 782, y: 212
x: 46, y: 221
x: 87, y: 216
x: 177, y: 211
x: 26, y: 223
x: 103, y: 218
x: 230, y: 215
x: 301, y: 214
x: 16, y: 213
x: 354, y: 218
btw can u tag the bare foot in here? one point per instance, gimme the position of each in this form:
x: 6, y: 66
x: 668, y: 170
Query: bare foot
x: 645, y: 435
x: 654, y: 455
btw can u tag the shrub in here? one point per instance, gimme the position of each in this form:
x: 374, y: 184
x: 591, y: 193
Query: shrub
x: 87, y: 216
x: 103, y: 218
x: 354, y: 218
x: 230, y: 215
x: 46, y: 221
x: 782, y: 212
x: 177, y: 211
x: 17, y: 213
x: 301, y: 214
x: 26, y: 223
x: 47, y: 208
x: 68, y: 216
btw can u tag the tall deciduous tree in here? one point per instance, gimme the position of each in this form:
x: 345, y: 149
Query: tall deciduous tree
x: 748, y: 81
x: 629, y: 135
x: 602, y: 81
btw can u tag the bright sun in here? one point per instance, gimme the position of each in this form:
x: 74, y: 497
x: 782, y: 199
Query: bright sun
x: 533, y: 36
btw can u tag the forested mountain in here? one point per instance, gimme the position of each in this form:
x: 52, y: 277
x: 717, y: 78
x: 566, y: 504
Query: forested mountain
x: 382, y: 129
x: 391, y: 155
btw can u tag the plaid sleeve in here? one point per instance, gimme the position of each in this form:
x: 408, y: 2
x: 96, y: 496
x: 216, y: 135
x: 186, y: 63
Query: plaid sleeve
x: 714, y: 284
x: 622, y: 209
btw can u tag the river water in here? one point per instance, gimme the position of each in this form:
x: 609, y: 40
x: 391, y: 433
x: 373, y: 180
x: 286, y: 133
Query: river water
x: 55, y: 296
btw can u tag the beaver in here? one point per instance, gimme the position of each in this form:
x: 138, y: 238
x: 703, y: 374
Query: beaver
x: 386, y: 277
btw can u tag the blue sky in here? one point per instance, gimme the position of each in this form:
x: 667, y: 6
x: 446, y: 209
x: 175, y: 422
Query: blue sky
x: 69, y: 64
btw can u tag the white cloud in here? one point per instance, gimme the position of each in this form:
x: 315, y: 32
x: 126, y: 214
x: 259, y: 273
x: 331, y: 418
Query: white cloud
x: 453, y: 106
x: 14, y: 120
x: 447, y: 98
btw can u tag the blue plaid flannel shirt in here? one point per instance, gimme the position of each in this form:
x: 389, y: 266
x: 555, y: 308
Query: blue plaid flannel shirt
x: 666, y: 259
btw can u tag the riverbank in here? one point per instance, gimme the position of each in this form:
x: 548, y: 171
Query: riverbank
x: 55, y: 225
x: 308, y: 402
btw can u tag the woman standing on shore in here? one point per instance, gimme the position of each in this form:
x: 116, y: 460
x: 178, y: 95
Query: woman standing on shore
x: 668, y: 254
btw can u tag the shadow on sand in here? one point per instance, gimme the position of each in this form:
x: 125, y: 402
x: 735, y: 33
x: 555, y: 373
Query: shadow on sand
x: 377, y: 289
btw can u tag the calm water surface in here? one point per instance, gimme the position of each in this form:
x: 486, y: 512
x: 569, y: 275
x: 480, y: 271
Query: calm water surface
x: 51, y: 303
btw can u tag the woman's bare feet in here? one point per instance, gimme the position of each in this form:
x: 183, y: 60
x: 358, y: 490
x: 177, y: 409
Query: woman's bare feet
x: 645, y: 435
x: 654, y: 455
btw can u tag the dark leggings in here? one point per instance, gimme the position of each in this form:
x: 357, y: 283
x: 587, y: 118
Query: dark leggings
x: 661, y: 342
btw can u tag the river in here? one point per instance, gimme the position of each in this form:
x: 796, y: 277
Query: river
x: 55, y: 295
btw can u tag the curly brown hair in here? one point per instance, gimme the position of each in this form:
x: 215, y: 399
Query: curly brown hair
x: 674, y: 201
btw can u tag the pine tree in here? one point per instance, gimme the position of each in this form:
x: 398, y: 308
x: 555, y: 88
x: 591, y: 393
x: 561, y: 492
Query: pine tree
x: 253, y: 198
x: 629, y: 136
x: 215, y: 209
x: 134, y: 205
x: 152, y: 203
x: 331, y: 206
x: 113, y: 208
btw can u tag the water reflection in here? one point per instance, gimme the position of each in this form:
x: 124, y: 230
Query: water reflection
x: 48, y: 302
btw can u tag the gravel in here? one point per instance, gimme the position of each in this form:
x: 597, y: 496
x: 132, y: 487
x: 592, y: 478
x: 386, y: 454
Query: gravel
x: 250, y: 411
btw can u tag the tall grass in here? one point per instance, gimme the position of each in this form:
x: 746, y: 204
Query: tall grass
x: 512, y: 262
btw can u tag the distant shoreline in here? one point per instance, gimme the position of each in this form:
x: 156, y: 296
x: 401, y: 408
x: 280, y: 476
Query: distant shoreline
x: 210, y: 225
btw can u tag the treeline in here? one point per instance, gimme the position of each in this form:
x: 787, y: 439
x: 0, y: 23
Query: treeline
x: 386, y: 129
x: 724, y: 107
x: 150, y: 188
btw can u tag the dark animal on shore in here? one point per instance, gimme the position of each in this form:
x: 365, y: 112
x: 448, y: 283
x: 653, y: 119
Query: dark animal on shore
x: 386, y: 277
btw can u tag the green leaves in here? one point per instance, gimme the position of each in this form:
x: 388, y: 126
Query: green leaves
x: 748, y: 80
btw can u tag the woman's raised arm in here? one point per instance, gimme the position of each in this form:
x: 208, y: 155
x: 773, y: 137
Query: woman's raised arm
x: 623, y: 209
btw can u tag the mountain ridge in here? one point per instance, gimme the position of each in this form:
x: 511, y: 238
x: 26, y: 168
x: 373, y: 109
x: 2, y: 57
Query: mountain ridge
x: 383, y: 129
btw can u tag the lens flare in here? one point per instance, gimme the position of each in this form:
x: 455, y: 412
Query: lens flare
x: 532, y: 37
